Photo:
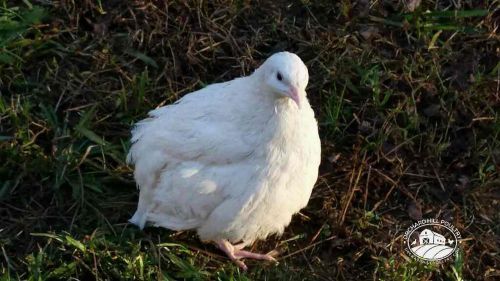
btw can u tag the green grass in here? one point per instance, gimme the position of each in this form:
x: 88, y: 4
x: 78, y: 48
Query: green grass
x: 407, y: 103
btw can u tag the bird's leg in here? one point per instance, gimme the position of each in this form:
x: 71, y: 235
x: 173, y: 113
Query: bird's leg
x: 241, y: 245
x: 235, y: 253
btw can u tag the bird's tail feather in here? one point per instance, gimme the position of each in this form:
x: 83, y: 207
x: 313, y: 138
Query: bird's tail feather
x: 143, y: 207
x: 139, y: 219
x: 171, y: 222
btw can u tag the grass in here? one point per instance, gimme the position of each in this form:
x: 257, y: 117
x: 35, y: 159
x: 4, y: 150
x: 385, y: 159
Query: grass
x: 407, y: 100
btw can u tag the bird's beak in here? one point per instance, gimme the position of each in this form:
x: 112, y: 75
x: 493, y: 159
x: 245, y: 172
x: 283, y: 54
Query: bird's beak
x: 293, y: 93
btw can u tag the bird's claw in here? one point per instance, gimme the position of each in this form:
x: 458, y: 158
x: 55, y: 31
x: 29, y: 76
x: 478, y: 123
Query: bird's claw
x: 235, y: 253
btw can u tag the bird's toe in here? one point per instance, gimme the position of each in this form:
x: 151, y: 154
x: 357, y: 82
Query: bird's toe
x: 241, y: 254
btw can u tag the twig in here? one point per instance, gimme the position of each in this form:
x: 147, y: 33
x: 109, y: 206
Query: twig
x: 307, y: 247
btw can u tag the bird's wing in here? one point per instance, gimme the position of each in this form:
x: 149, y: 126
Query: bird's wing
x: 200, y: 127
x: 184, y: 154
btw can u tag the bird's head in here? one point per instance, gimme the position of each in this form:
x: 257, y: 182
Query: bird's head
x: 286, y: 76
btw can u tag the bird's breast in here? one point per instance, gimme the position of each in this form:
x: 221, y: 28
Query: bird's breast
x: 291, y: 154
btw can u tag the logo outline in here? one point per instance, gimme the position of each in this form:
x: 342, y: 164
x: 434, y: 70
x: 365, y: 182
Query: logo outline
x: 438, y: 241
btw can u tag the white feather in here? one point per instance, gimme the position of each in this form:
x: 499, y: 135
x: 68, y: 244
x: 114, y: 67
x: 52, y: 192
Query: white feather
x: 231, y: 161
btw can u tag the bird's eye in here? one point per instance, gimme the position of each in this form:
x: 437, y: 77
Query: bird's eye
x: 279, y: 77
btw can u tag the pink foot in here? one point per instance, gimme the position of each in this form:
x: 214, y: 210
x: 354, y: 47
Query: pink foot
x: 235, y: 253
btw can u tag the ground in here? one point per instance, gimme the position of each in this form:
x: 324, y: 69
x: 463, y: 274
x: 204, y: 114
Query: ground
x: 406, y: 94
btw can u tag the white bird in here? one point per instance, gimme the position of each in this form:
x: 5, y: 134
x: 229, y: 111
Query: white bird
x: 234, y: 160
